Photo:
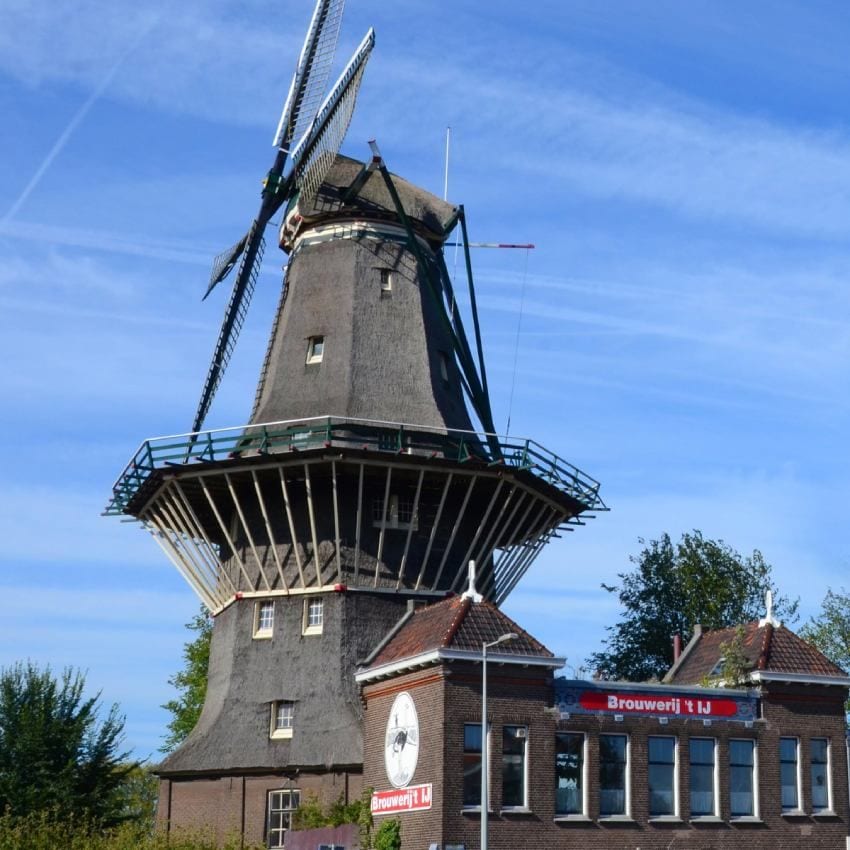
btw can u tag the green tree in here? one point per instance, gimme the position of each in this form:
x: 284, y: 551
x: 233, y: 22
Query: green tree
x: 670, y: 589
x: 388, y: 835
x: 56, y: 753
x: 830, y: 630
x: 191, y: 682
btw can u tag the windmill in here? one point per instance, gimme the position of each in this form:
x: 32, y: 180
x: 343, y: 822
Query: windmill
x: 357, y: 487
x: 319, y: 129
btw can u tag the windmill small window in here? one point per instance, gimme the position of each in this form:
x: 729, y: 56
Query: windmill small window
x: 386, y: 276
x: 282, y: 719
x: 315, y: 349
x: 444, y: 368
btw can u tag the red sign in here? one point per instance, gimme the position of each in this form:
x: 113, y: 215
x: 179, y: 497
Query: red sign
x: 685, y: 705
x: 414, y: 798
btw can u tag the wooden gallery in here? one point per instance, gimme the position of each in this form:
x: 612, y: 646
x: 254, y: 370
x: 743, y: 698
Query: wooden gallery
x: 330, y: 537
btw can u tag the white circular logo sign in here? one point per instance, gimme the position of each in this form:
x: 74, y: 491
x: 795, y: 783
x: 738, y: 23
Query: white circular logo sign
x: 401, y: 745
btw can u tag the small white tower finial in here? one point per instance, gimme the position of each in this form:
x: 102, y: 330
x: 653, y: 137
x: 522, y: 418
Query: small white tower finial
x: 769, y: 617
x: 471, y: 592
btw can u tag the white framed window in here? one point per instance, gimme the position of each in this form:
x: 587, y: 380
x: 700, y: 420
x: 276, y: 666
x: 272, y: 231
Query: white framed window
x: 570, y: 774
x: 819, y: 757
x: 314, y: 615
x: 386, y: 277
x: 789, y: 774
x: 743, y: 787
x: 663, y: 775
x: 613, y: 776
x: 282, y: 719
x: 399, y: 513
x: 315, y: 349
x: 281, y: 806
x: 264, y: 619
x: 703, y: 765
x: 472, y: 765
x: 514, y: 767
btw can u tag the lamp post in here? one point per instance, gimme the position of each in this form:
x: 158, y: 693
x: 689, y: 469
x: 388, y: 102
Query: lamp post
x: 485, y: 800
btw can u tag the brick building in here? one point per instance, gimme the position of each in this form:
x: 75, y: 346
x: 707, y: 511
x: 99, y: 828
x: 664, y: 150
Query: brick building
x: 603, y: 764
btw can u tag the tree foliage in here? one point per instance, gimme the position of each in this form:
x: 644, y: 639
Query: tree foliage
x: 388, y: 835
x: 830, y: 630
x: 673, y: 587
x: 56, y: 753
x: 191, y: 682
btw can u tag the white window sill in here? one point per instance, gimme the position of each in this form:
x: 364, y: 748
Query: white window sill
x: 515, y: 810
x: 746, y: 819
x: 616, y: 819
x: 312, y: 630
x: 794, y: 813
x: 572, y: 819
x: 266, y: 634
x: 280, y: 734
x: 665, y: 819
x: 706, y: 819
x: 825, y: 813
x: 475, y: 810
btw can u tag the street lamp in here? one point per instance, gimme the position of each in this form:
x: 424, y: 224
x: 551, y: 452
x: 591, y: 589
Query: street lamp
x: 485, y: 801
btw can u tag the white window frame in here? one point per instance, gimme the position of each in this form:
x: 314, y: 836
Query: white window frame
x: 523, y: 806
x: 715, y: 780
x: 308, y: 628
x: 263, y: 632
x: 312, y: 355
x: 276, y: 732
x: 288, y: 811
x: 756, y: 815
x: 676, y: 815
x: 799, y: 773
x: 386, y: 282
x: 627, y: 807
x: 581, y: 815
x: 830, y: 805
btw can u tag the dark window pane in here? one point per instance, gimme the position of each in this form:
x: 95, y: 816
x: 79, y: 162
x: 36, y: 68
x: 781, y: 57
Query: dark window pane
x: 661, y: 750
x: 741, y: 762
x: 513, y: 765
x: 612, y: 774
x: 472, y: 764
x: 569, y: 768
x: 819, y: 750
x: 788, y: 773
x: 662, y: 759
x: 702, y: 776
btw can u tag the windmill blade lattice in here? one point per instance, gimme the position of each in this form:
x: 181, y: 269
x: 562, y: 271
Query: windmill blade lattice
x: 234, y: 319
x: 315, y: 152
x: 311, y: 73
x: 224, y: 263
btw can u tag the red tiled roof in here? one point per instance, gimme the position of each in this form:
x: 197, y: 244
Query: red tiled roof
x: 460, y: 624
x: 774, y: 650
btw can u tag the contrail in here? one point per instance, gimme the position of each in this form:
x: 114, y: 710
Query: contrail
x: 72, y: 125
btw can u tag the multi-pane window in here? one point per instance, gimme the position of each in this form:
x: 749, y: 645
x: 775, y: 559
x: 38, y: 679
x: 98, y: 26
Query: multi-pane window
x: 281, y: 806
x: 789, y: 774
x: 569, y: 773
x: 514, y: 740
x: 472, y: 764
x: 703, y: 798
x: 742, y: 765
x: 399, y: 513
x: 819, y: 754
x: 264, y: 619
x: 315, y: 349
x: 662, y: 776
x: 386, y: 282
x: 613, y: 770
x: 314, y: 616
x: 283, y: 715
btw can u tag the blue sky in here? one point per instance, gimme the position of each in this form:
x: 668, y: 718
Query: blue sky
x: 683, y: 168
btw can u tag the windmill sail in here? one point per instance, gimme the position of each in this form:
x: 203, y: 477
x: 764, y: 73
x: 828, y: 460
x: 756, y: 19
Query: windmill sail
x: 311, y: 73
x: 223, y: 264
x: 234, y: 318
x: 315, y: 152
